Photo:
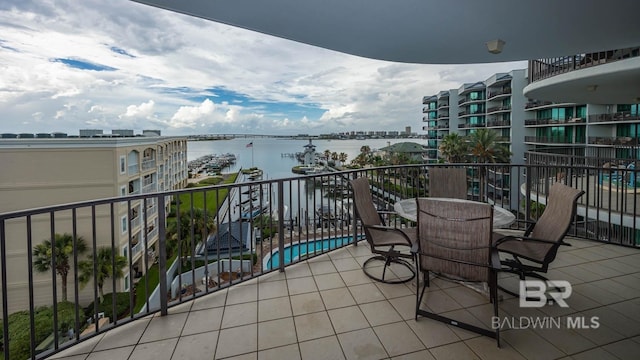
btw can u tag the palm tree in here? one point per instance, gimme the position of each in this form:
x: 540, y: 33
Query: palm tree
x: 201, y: 229
x: 327, y: 155
x: 454, y: 148
x: 104, y: 262
x: 486, y: 149
x: 42, y: 255
x: 343, y: 157
x: 334, y: 157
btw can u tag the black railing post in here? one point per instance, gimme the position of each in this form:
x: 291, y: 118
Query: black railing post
x: 162, y: 254
x: 281, y: 225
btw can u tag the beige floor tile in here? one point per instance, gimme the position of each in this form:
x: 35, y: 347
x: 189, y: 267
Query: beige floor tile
x: 362, y: 345
x: 405, y: 306
x: 380, y: 313
x: 198, y: 346
x: 348, y: 319
x: 117, y: 353
x: 625, y: 349
x: 273, y: 276
x: 487, y: 349
x: 342, y: 253
x: 276, y: 333
x: 301, y: 285
x: 85, y: 347
x: 248, y: 356
x: 216, y: 299
x: 237, y: 340
x: 345, y: 264
x: 366, y: 293
x: 355, y: 277
x: 326, y: 348
x: 289, y: 352
x: 391, y: 291
x: 240, y: 314
x: 439, y: 301
x: 72, y: 357
x: 275, y: 308
x: 566, y: 340
x: 313, y: 326
x: 157, y: 350
x: 203, y: 321
x: 329, y: 281
x: 322, y: 267
x: 336, y: 298
x: 418, y: 355
x: 454, y: 352
x: 164, y: 327
x: 398, y: 338
x: 307, y: 303
x: 432, y: 333
x: 272, y: 289
x: 466, y: 297
x: 594, y: 354
x: 621, y: 323
x: 531, y: 345
x: 298, y: 270
x: 242, y: 294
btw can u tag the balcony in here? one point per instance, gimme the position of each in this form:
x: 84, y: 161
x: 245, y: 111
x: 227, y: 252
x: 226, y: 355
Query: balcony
x: 323, y: 300
x: 549, y: 121
x: 498, y: 123
x: 499, y: 92
x: 133, y: 169
x: 616, y: 141
x: 544, y: 68
x: 615, y: 117
x: 553, y: 140
x: 148, y: 164
x: 498, y: 108
x: 536, y: 103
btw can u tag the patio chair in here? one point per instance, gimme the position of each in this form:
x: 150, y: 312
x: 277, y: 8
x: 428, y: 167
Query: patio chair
x: 382, y: 239
x: 448, y: 182
x: 531, y: 253
x: 454, y: 242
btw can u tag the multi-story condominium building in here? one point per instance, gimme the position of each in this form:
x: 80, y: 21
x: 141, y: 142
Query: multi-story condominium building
x: 496, y: 104
x: 564, y: 110
x: 44, y: 172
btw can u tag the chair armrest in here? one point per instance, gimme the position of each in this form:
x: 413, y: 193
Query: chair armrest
x: 524, y: 239
x: 495, y: 259
x: 415, y: 248
x: 392, y: 229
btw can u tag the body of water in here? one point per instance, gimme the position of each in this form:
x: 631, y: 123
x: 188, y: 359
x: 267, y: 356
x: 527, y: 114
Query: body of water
x: 267, y: 153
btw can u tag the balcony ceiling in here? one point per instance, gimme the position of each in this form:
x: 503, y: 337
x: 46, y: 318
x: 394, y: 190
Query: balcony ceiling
x: 432, y: 31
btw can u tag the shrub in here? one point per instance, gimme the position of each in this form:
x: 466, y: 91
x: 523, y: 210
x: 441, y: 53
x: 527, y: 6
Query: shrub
x: 122, y: 306
x: 43, y: 320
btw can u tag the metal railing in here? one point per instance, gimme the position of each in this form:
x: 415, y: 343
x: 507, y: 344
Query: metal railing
x: 545, y: 68
x: 550, y: 121
x: 289, y: 220
x: 619, y: 116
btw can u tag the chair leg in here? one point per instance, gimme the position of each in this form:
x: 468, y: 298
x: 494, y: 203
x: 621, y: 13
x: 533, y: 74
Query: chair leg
x: 493, y: 291
x: 388, y: 260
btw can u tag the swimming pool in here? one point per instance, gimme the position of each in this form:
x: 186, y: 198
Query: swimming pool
x: 293, y: 252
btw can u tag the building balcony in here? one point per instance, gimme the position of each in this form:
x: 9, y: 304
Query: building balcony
x: 495, y: 109
x: 566, y: 140
x: 569, y: 121
x: 613, y: 141
x: 291, y: 306
x: 536, y: 104
x: 498, y: 93
x: 498, y: 123
x: 133, y: 169
x: 443, y: 116
x: 615, y: 117
x: 148, y: 164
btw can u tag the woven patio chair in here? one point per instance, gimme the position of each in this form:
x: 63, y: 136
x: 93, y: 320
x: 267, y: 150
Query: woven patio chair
x: 383, y: 240
x: 529, y: 255
x: 448, y: 182
x: 454, y: 242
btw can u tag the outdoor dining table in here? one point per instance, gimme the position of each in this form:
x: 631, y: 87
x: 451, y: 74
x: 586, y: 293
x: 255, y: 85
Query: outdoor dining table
x: 408, y: 209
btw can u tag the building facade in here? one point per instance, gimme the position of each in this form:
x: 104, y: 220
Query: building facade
x: 43, y: 172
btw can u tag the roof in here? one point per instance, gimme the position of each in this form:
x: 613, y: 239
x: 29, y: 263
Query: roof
x: 231, y: 238
x: 432, y: 31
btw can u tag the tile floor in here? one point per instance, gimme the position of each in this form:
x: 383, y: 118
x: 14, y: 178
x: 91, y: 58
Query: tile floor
x: 326, y: 308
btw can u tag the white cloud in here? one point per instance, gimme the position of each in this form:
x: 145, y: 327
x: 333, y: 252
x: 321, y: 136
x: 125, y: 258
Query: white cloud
x: 168, y: 63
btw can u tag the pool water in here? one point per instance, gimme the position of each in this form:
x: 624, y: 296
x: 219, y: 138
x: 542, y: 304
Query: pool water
x: 293, y: 252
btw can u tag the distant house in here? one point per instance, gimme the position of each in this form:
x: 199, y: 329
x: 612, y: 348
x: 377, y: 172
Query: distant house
x: 413, y: 151
x: 234, y: 238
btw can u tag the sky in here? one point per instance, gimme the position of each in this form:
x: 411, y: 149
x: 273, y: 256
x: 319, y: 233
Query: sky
x: 67, y: 65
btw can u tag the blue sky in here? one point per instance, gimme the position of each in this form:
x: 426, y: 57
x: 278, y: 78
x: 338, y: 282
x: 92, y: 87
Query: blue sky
x: 68, y: 65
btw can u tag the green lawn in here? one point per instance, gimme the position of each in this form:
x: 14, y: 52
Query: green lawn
x: 214, y: 197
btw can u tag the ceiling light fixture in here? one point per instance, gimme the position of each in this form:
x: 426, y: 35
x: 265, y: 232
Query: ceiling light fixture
x: 495, y: 46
